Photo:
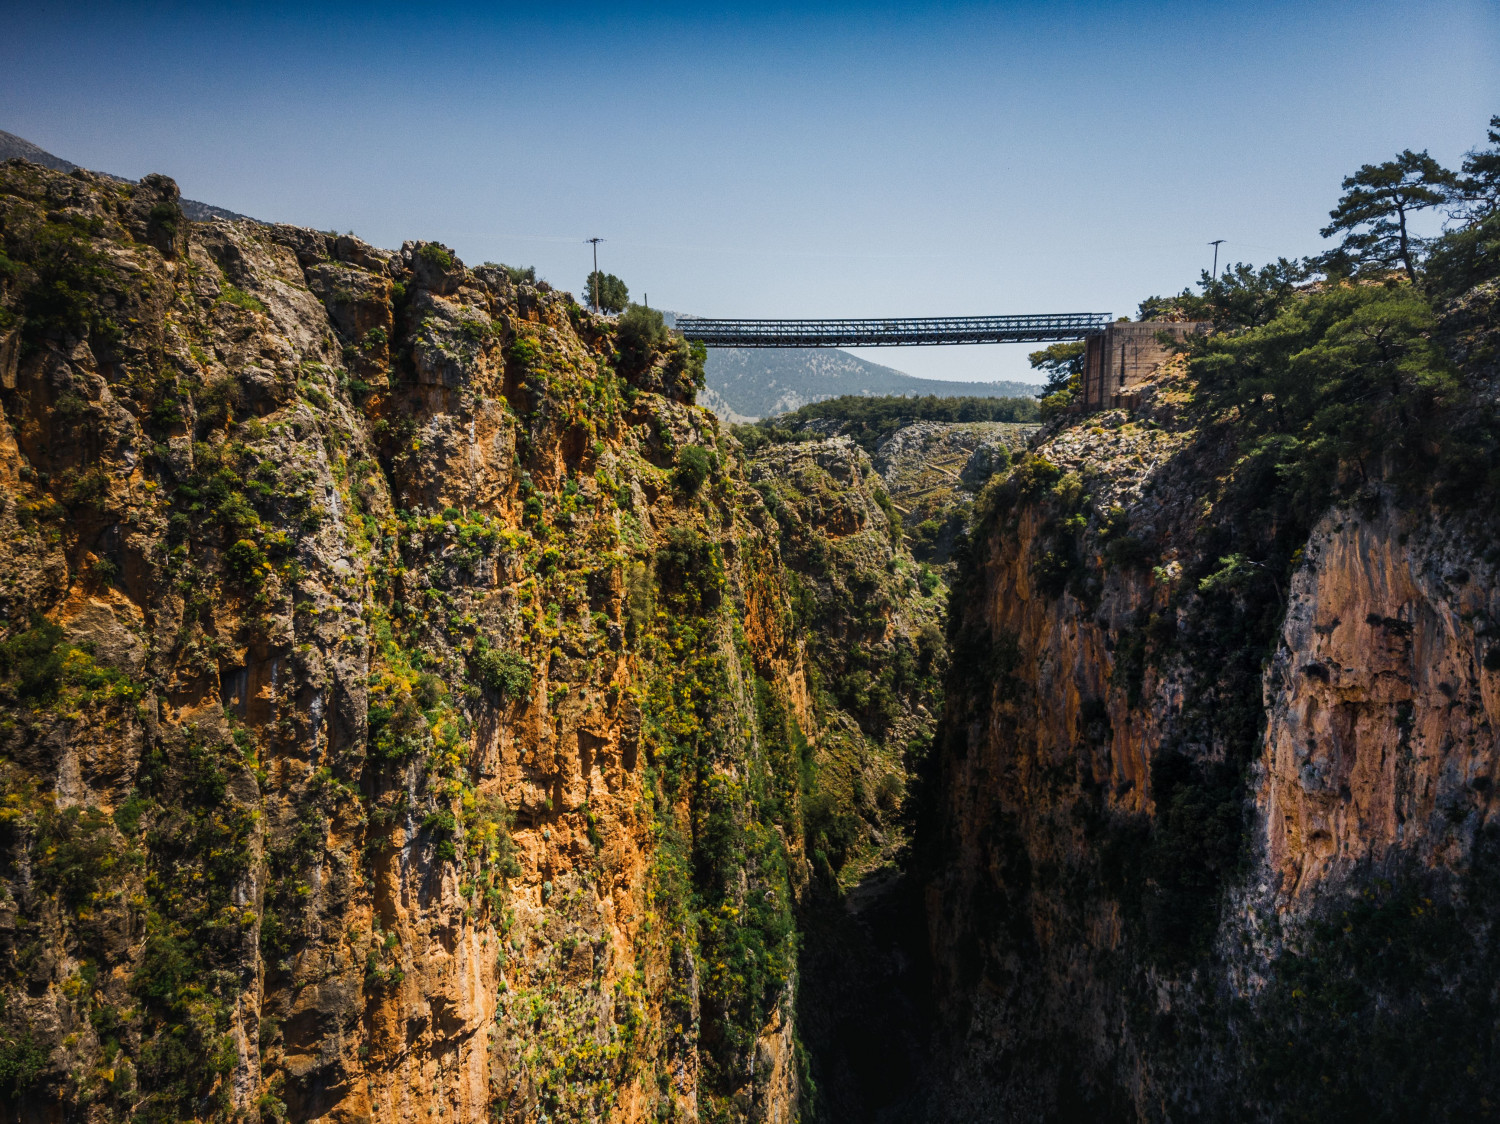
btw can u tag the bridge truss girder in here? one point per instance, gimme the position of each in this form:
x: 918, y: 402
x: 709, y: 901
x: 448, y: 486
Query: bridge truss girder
x: 1048, y: 328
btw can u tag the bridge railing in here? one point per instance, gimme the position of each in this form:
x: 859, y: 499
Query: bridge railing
x: 1046, y: 328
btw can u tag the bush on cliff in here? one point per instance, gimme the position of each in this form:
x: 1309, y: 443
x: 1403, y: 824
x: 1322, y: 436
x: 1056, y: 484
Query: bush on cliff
x: 639, y: 335
x: 689, y: 565
x: 505, y: 673
x: 694, y: 464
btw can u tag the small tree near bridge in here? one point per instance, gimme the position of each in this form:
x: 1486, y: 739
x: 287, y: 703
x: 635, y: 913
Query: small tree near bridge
x: 606, y: 292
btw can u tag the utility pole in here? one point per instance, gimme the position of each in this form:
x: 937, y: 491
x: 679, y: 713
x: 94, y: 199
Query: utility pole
x: 1216, y: 243
x: 595, y: 294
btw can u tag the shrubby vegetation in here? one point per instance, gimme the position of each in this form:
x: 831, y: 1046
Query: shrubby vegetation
x: 1397, y: 979
x: 640, y: 333
x: 517, y: 274
x: 508, y: 674
x: 722, y: 872
x: 694, y: 464
x: 1338, y: 372
x: 870, y: 420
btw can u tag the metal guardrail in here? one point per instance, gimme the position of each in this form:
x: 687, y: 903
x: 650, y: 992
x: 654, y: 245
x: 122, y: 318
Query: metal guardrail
x: 892, y: 333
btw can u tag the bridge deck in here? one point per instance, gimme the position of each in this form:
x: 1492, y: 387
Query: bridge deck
x: 892, y: 333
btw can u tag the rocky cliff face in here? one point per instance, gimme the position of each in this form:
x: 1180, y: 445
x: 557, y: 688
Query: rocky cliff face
x: 401, y: 708
x: 1209, y: 842
x: 412, y: 706
x: 871, y: 617
x: 1383, y: 701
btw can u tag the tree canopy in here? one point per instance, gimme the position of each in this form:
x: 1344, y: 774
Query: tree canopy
x: 869, y: 420
x: 1060, y: 362
x: 1374, y: 210
x: 1240, y: 297
x: 606, y: 292
x: 1476, y: 191
x: 1339, y: 371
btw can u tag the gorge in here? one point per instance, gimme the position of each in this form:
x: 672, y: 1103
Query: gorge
x: 413, y: 706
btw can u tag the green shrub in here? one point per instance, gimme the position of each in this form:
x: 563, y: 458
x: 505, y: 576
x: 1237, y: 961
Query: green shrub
x: 241, y: 299
x: 84, y: 489
x: 523, y: 352
x: 694, y: 464
x: 892, y: 516
x: 829, y: 829
x: 688, y: 565
x: 442, y: 824
x: 32, y: 661
x: 129, y: 812
x: 74, y: 849
x: 1057, y: 403
x: 638, y: 591
x: 245, y: 560
x: 505, y: 673
x: 928, y: 580
x: 639, y: 334
x: 687, y: 364
x: 397, y: 730
x: 519, y: 275
x: 436, y: 255
x: 22, y: 1060
x: 165, y: 217
x: 71, y: 279
x: 184, y: 1061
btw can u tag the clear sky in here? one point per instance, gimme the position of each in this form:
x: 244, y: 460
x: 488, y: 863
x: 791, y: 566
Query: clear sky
x: 871, y: 160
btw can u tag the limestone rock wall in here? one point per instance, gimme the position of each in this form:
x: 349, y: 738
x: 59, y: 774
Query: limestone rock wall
x: 1383, y: 702
x: 1193, y: 817
x: 389, y: 721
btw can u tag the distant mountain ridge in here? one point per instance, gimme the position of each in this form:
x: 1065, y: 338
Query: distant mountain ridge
x: 12, y: 147
x: 748, y: 383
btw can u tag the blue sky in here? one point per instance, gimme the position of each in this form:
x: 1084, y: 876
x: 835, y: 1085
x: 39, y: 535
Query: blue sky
x: 753, y: 161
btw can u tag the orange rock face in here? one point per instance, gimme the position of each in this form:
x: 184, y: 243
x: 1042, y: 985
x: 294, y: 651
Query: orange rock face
x: 370, y: 685
x: 1381, y: 713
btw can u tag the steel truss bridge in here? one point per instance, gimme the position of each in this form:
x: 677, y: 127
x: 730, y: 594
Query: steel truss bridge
x: 892, y: 333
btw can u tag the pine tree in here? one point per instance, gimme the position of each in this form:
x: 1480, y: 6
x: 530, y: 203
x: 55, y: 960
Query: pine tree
x: 1373, y: 212
x: 1476, y: 192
